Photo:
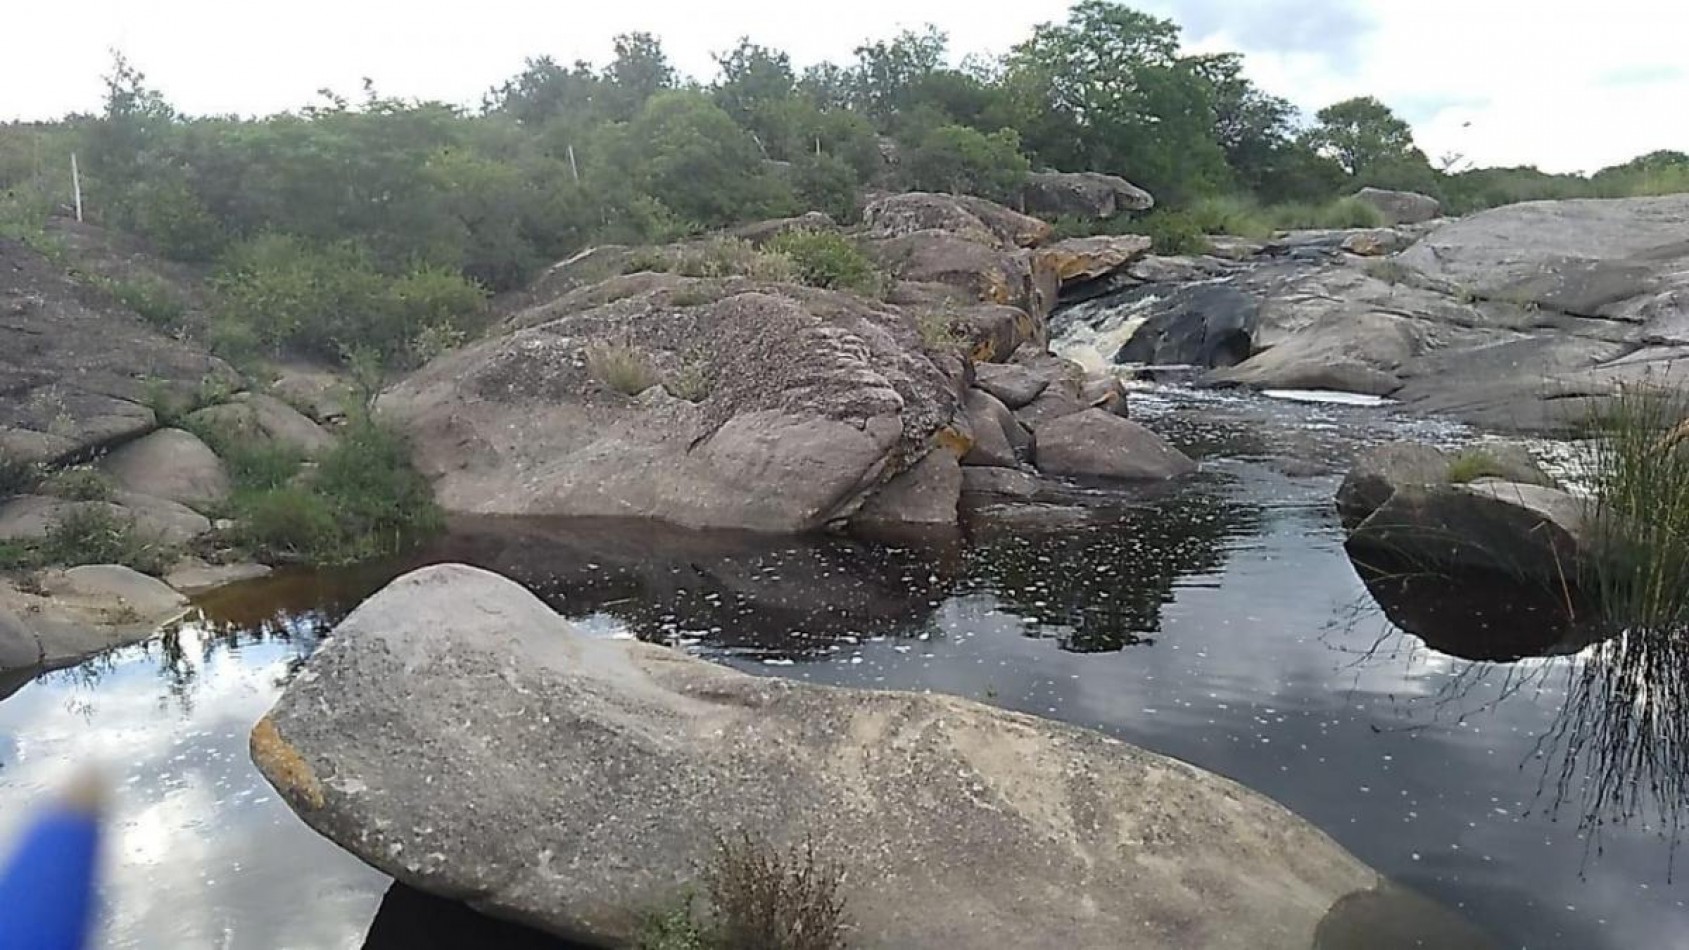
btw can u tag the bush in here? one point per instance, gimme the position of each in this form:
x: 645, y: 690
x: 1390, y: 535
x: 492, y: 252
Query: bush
x: 965, y: 161
x: 765, y: 900
x: 363, y: 500
x: 622, y: 367
x: 728, y: 257
x: 1333, y: 215
x: 92, y: 534
x: 82, y: 483
x: 16, y: 475
x: 1173, y: 233
x: 828, y: 260
x: 152, y: 299
x: 828, y: 184
x: 1237, y: 216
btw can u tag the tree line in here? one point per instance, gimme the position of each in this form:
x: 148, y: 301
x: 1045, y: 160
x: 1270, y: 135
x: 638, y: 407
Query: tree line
x: 378, y: 218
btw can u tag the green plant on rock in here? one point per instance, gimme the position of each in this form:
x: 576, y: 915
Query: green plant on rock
x: 1388, y: 270
x: 674, y: 928
x: 152, y: 299
x: 691, y: 383
x: 1173, y: 233
x: 16, y: 475
x: 94, y: 534
x: 768, y: 900
x: 622, y: 366
x: 937, y: 328
x: 1639, y: 474
x: 1473, y: 464
x: 730, y: 257
x: 828, y: 260
x: 79, y: 483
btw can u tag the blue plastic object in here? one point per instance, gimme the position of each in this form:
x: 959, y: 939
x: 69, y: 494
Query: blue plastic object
x: 47, y: 889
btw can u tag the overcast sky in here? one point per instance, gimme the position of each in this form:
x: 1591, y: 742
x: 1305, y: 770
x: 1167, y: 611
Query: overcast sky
x: 1565, y: 86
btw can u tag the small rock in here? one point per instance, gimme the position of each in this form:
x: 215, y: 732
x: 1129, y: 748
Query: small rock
x: 193, y: 576
x: 1014, y: 385
x: 992, y: 424
x: 266, y: 419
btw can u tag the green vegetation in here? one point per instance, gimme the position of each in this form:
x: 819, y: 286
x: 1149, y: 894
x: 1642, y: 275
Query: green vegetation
x: 1388, y: 270
x: 937, y: 328
x: 89, y: 534
x: 828, y: 260
x: 622, y: 367
x: 759, y: 899
x: 80, y: 483
x: 1473, y: 464
x: 718, y: 257
x: 1640, y: 477
x: 375, y: 225
x: 361, y: 500
x: 149, y: 297
x: 16, y: 475
x: 1173, y: 233
x: 691, y: 383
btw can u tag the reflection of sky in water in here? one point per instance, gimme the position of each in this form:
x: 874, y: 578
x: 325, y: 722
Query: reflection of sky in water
x: 201, y: 852
x: 1222, y: 625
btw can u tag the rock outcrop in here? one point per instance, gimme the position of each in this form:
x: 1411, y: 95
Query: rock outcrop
x: 79, y: 372
x: 1089, y: 195
x: 68, y: 615
x: 1523, y: 318
x: 257, y: 417
x: 170, y: 464
x: 459, y: 735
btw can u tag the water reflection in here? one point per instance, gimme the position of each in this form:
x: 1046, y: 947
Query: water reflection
x: 1213, y: 623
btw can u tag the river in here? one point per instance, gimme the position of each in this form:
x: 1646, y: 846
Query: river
x: 1218, y: 621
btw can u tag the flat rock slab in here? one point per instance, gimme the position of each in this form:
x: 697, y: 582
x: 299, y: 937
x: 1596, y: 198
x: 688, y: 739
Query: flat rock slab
x: 457, y: 734
x: 194, y: 576
x: 72, y: 614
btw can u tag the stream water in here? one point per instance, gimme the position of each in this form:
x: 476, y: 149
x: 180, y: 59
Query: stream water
x: 1218, y: 621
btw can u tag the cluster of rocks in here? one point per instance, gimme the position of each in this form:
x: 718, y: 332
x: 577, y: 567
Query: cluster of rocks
x: 771, y: 406
x: 1522, y: 318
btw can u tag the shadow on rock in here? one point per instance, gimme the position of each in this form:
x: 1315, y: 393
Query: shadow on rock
x: 408, y: 919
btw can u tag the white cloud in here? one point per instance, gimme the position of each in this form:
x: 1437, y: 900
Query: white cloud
x: 1561, y: 85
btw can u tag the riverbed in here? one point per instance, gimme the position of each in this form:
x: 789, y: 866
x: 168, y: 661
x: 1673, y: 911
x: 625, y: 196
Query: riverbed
x: 1218, y: 621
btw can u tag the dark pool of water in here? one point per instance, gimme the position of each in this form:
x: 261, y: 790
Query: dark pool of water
x: 1220, y: 622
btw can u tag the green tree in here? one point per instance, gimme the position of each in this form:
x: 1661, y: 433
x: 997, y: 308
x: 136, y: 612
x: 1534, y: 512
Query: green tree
x: 887, y: 71
x: 1362, y: 134
x: 690, y: 155
x: 639, y: 71
x: 545, y: 90
x: 960, y: 160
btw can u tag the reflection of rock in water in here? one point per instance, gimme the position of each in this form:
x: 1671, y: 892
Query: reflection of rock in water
x: 1618, y: 751
x: 411, y: 920
x: 1476, y: 616
x: 1391, y: 917
x: 1104, y: 584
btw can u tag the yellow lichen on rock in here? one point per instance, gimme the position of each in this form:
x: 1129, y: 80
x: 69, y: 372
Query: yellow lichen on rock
x: 282, y: 764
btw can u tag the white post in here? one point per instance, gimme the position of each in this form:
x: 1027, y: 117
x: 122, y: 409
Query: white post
x: 76, y: 186
x: 573, y: 168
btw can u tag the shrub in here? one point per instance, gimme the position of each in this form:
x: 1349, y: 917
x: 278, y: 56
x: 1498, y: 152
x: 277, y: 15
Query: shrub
x: 92, y: 534
x: 828, y: 260
x: 729, y: 257
x: 16, y: 475
x: 965, y: 161
x: 152, y: 299
x: 937, y: 328
x: 1473, y: 464
x: 1237, y: 216
x: 81, y: 483
x: 1173, y: 233
x: 363, y: 500
x: 828, y: 184
x: 622, y: 367
x: 765, y: 900
x: 1338, y: 214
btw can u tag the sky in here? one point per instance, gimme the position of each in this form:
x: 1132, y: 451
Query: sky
x: 1563, y: 86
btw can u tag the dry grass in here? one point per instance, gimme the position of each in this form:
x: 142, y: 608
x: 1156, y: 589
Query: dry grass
x: 622, y: 367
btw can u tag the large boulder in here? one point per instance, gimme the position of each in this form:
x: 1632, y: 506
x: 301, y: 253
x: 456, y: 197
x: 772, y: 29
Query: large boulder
x: 171, y: 464
x: 1088, y: 195
x: 1014, y: 384
x: 971, y: 219
x: 1401, y: 207
x: 999, y: 439
x: 1359, y: 353
x: 459, y: 735
x: 1529, y: 532
x: 1210, y: 325
x: 1378, y: 472
x: 78, y: 371
x: 256, y: 417
x: 1099, y: 444
x: 800, y: 404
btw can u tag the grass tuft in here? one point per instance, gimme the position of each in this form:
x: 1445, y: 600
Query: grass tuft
x: 622, y: 367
